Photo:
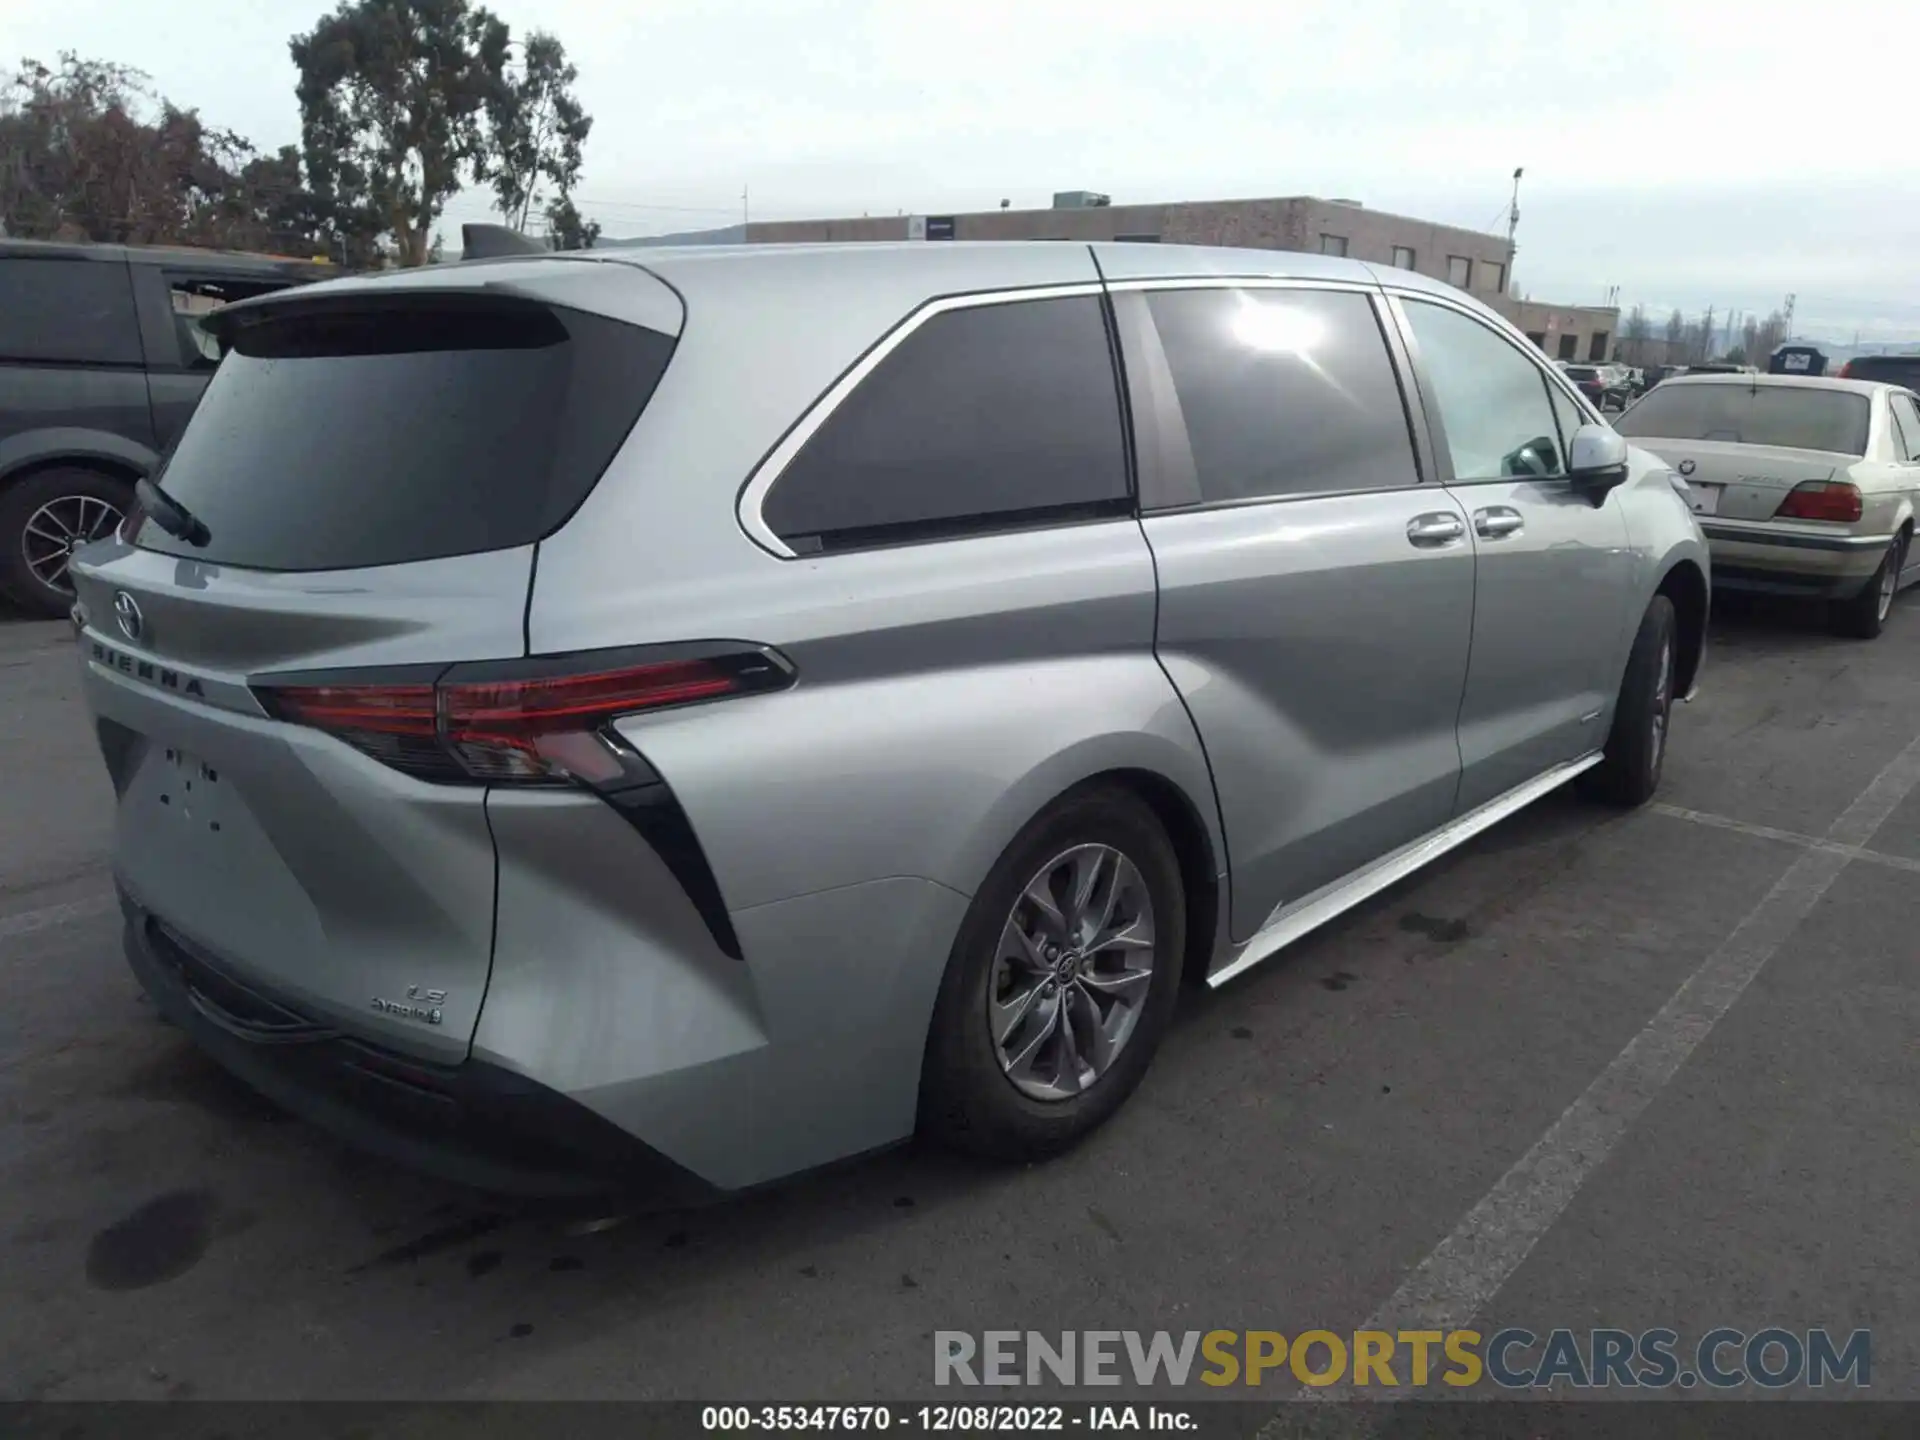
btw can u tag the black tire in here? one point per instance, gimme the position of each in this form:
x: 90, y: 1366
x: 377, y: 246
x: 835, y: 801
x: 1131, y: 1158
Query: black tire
x: 20, y: 502
x: 1864, y: 615
x: 1636, y: 746
x: 967, y: 1099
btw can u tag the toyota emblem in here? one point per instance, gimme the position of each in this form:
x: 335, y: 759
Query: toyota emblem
x: 126, y: 610
x: 1686, y: 467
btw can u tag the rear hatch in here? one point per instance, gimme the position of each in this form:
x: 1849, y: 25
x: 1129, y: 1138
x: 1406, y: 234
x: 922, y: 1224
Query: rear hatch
x: 1742, y: 446
x: 374, y: 465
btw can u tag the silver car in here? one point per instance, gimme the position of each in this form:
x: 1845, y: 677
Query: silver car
x: 1804, y: 486
x: 677, y: 719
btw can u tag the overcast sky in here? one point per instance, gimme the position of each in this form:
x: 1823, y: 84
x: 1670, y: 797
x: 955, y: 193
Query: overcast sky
x: 1689, y: 152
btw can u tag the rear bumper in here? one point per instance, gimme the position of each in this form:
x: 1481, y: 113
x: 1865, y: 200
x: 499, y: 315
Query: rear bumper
x: 472, y: 1123
x: 1791, y: 562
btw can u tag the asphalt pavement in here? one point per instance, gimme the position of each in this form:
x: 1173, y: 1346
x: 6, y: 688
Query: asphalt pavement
x: 1637, y: 1070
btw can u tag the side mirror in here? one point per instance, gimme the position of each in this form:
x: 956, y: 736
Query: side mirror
x: 1597, y: 460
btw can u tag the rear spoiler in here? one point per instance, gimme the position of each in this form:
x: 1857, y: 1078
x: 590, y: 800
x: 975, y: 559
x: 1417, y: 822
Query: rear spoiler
x: 490, y: 242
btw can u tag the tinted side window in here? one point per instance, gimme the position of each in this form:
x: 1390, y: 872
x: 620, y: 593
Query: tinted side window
x: 1492, y: 399
x: 985, y: 418
x: 68, y: 311
x: 1284, y: 392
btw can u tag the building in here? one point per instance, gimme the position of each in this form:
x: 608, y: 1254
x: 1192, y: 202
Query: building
x: 1566, y: 332
x: 1474, y: 261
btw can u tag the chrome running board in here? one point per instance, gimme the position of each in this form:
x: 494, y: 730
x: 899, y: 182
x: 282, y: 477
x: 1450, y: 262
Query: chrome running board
x: 1288, y: 923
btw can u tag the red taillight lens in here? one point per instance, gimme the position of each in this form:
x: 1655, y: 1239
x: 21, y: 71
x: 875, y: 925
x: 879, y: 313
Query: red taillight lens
x: 1821, y: 500
x: 530, y: 729
x: 1846, y: 371
x: 538, y: 721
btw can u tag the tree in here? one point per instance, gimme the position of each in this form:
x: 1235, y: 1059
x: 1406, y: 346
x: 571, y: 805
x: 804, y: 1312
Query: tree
x: 1750, y: 339
x: 1772, y: 334
x: 566, y: 230
x: 1676, y: 337
x: 537, y: 129
x: 1702, y: 347
x: 1636, y: 334
x: 393, y: 98
x: 88, y: 151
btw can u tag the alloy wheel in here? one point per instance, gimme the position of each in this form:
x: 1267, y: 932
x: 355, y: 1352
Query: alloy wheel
x: 1662, y: 705
x: 59, y: 528
x: 1070, y: 980
x: 1890, y: 577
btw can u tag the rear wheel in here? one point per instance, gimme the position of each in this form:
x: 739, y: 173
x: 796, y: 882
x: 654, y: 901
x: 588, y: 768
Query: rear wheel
x: 1865, y: 615
x: 1637, y: 743
x: 44, y: 519
x: 1060, y: 983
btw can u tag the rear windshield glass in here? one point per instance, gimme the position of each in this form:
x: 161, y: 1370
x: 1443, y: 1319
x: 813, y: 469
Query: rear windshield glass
x: 333, y: 438
x: 1784, y: 416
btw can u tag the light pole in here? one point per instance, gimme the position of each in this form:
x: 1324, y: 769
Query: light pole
x: 1513, y: 224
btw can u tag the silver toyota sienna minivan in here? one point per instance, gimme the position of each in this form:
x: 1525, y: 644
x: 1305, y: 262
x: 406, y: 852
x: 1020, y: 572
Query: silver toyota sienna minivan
x: 673, y: 719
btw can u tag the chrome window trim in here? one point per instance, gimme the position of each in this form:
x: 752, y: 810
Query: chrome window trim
x: 1241, y: 282
x: 767, y: 473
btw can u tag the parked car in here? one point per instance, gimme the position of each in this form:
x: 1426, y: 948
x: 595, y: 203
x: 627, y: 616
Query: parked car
x: 1891, y: 369
x: 1655, y: 374
x: 698, y: 715
x: 101, y: 361
x: 1602, y: 384
x: 1805, y: 487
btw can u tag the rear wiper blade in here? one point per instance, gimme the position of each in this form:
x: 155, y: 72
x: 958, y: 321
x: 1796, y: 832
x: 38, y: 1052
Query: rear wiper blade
x: 170, y: 515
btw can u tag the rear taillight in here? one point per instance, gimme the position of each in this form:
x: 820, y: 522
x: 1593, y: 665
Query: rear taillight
x: 544, y: 720
x: 1821, y: 500
x: 1846, y: 371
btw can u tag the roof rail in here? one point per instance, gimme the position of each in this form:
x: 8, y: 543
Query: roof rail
x: 488, y: 242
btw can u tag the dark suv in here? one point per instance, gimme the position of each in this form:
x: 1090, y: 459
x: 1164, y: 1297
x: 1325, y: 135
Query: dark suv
x: 102, y: 359
x: 1893, y: 369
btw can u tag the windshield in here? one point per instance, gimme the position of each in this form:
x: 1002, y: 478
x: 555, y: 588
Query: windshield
x: 1779, y: 416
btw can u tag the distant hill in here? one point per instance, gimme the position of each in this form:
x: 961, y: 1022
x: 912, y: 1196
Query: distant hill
x: 726, y: 235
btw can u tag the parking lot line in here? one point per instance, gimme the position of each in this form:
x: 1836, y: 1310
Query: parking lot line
x: 12, y: 927
x: 1466, y: 1269
x: 1790, y: 837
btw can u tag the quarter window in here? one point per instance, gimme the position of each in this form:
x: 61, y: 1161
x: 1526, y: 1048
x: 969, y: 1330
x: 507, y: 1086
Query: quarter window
x: 1906, y: 419
x: 1493, y: 400
x: 1284, y: 392
x: 68, y: 312
x: 987, y: 418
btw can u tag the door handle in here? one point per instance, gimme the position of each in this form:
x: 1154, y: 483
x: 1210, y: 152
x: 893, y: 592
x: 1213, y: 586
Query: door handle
x: 1496, y: 521
x: 1437, y: 527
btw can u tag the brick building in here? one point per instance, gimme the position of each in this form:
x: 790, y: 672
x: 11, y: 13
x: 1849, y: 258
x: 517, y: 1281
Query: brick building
x: 1474, y: 261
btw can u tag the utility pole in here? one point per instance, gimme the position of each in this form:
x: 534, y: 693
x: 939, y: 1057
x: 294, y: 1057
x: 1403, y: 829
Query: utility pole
x: 745, y: 218
x: 1513, y: 224
x: 1789, y: 316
